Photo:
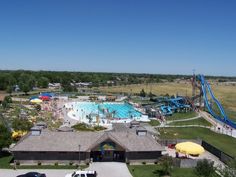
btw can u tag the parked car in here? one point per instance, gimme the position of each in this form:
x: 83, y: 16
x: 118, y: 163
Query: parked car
x: 32, y: 174
x: 82, y: 174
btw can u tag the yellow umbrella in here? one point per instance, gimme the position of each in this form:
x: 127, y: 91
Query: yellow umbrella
x: 189, y: 148
x: 36, y: 101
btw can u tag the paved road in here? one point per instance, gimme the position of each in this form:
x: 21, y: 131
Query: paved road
x: 49, y: 173
x: 104, y: 169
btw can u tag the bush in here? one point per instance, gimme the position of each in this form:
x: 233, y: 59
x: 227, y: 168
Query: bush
x: 17, y: 163
x: 56, y: 163
x: 144, y: 163
x: 39, y: 163
x: 71, y: 163
x: 204, y: 168
x: 166, y: 164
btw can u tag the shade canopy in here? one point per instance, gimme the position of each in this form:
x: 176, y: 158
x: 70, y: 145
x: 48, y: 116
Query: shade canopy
x: 45, y: 98
x: 189, y: 148
x: 36, y: 101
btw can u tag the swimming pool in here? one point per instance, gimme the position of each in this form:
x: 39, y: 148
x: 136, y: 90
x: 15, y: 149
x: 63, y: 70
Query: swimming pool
x: 107, y: 109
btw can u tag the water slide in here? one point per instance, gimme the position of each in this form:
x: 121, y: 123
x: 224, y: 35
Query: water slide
x: 166, y: 110
x: 207, y: 89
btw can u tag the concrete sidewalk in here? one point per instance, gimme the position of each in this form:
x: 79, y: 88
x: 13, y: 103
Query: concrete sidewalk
x: 110, y: 169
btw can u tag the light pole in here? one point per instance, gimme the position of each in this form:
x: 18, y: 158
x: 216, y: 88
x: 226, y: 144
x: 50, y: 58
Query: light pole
x: 79, y: 157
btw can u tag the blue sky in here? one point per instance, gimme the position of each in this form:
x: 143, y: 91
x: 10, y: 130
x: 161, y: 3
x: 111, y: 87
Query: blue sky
x: 141, y: 36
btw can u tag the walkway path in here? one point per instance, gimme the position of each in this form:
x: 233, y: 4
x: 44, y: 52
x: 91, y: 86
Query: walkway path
x: 218, y: 127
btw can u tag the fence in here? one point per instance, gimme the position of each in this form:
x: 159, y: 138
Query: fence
x: 225, y: 158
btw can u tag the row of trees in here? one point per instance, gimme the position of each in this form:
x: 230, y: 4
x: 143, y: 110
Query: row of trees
x: 29, y: 79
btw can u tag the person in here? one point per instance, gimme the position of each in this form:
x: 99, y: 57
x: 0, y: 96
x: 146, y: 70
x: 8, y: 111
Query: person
x: 176, y: 154
x: 14, y: 165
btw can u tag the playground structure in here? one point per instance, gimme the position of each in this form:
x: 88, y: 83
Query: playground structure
x: 167, y: 106
x: 177, y: 104
x: 205, y: 91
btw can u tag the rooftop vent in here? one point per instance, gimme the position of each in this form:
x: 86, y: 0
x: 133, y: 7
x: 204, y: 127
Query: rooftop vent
x: 36, y: 131
x: 141, y: 131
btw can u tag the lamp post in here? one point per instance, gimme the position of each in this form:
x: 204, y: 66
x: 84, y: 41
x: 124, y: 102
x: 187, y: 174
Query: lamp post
x: 79, y: 157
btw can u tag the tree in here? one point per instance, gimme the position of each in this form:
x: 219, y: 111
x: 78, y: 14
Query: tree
x: 5, y: 137
x: 27, y: 82
x: 43, y: 82
x: 6, y: 102
x: 142, y: 93
x: 166, y: 164
x: 9, y: 89
x: 229, y: 170
x: 205, y: 168
x: 8, y: 99
x: 21, y: 124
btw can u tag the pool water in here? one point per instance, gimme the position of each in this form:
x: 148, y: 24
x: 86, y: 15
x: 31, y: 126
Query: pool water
x: 115, y: 110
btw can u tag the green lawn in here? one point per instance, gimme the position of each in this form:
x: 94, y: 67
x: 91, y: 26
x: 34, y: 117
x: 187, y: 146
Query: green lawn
x: 200, y: 121
x: 5, y: 161
x: 223, y: 142
x: 154, y: 122
x: 181, y: 115
x: 151, y: 171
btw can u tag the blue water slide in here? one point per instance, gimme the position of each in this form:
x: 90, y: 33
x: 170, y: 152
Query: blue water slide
x: 166, y: 110
x: 206, y: 87
x: 216, y: 101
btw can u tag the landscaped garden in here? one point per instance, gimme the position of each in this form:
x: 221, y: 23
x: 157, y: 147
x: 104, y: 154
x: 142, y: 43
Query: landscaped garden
x: 6, y: 159
x: 86, y: 127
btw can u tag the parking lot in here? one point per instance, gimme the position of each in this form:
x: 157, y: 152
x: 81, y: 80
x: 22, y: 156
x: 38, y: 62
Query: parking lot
x: 49, y: 173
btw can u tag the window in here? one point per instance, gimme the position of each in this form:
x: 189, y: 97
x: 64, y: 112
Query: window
x: 91, y: 175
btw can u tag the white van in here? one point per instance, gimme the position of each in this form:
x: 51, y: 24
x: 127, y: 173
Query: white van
x: 82, y: 174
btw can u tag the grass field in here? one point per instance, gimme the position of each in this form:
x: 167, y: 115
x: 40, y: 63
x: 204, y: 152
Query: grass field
x: 181, y: 115
x: 226, y: 94
x: 154, y: 122
x: 199, y: 121
x: 151, y: 171
x: 222, y: 142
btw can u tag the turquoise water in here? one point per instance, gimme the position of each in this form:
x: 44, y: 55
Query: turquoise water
x: 115, y: 110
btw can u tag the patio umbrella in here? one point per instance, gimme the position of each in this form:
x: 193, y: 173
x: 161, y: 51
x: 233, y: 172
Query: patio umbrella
x: 189, y: 148
x: 45, y: 98
x: 37, y: 101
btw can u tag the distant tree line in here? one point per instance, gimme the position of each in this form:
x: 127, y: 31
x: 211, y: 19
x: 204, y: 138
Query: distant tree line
x: 27, y: 80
